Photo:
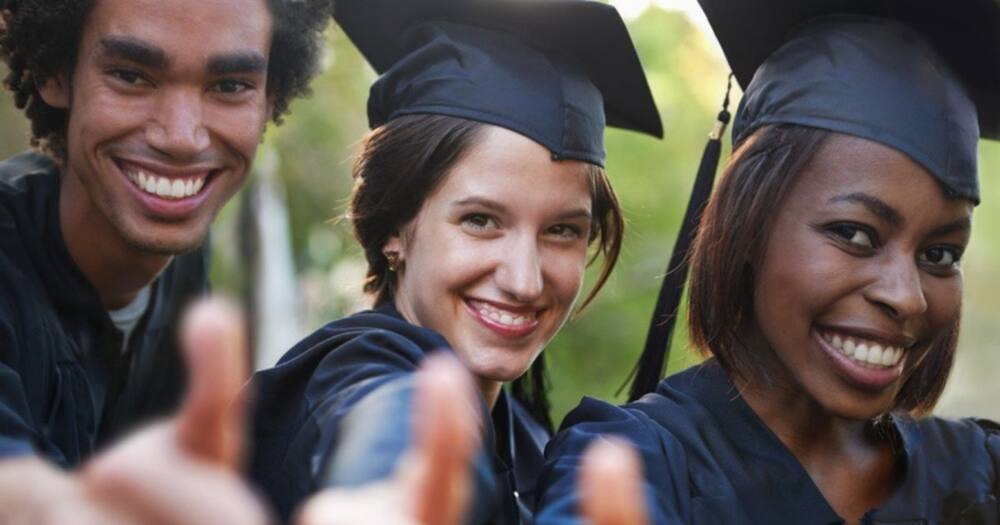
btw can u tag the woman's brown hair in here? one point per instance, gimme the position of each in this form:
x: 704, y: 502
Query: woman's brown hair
x: 730, y: 243
x: 400, y: 165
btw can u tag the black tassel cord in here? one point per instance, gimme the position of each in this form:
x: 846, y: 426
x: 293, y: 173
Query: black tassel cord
x: 650, y: 368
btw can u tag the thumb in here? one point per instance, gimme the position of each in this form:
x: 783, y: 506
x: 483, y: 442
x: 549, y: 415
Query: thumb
x: 446, y: 433
x: 611, y: 487
x: 210, y: 424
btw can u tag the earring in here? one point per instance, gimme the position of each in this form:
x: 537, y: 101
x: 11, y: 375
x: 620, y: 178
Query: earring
x: 393, y: 259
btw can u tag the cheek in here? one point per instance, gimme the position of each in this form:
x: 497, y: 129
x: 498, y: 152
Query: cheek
x: 240, y: 128
x: 944, y: 301
x: 98, y: 115
x: 795, y: 275
x: 565, y: 271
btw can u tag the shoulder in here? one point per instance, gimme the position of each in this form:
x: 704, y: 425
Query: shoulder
x: 29, y: 188
x: 365, y: 348
x: 961, y: 455
x: 27, y: 172
x: 372, y: 334
x: 948, y: 437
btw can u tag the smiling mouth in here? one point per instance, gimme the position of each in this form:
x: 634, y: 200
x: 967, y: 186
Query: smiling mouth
x: 501, y: 316
x: 507, y: 323
x: 865, y: 352
x: 170, y: 188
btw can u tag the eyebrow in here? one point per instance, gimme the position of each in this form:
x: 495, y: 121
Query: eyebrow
x: 578, y: 213
x: 239, y: 62
x: 874, y: 204
x: 134, y: 50
x: 963, y: 225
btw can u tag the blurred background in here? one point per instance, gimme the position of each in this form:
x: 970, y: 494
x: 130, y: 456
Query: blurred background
x: 280, y: 247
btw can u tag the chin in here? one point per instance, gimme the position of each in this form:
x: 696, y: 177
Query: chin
x: 164, y: 244
x: 859, y: 409
x: 501, y: 369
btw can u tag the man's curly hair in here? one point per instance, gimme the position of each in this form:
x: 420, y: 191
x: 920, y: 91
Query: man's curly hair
x: 39, y: 39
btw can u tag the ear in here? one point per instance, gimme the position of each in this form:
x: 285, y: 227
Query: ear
x: 55, y: 91
x: 394, y: 244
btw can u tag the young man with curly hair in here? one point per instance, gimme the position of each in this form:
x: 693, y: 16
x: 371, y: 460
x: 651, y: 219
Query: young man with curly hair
x: 145, y: 117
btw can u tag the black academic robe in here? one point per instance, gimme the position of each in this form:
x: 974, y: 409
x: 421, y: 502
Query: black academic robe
x: 66, y: 386
x: 335, y: 410
x: 709, y: 459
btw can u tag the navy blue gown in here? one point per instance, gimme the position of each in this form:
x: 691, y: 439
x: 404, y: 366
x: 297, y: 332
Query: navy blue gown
x: 335, y: 411
x: 68, y: 386
x: 710, y: 460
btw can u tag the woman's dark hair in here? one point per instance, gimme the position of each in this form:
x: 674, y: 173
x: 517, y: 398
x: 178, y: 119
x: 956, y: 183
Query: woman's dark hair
x: 402, y: 162
x: 40, y: 38
x: 730, y: 243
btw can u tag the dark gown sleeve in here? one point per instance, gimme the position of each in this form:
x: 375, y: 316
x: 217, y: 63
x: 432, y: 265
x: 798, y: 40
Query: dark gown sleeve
x: 336, y: 411
x: 16, y: 430
x: 662, y: 456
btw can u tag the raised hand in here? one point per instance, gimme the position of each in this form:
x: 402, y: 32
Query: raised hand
x: 432, y: 485
x: 610, y: 484
x: 184, y: 470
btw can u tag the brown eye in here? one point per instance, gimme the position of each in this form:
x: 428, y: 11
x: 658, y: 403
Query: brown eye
x: 127, y: 77
x: 566, y: 231
x: 233, y: 87
x: 854, y: 234
x: 940, y: 256
x: 478, y: 222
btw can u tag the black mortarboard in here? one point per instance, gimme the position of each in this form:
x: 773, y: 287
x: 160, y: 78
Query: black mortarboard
x: 921, y: 76
x: 555, y: 71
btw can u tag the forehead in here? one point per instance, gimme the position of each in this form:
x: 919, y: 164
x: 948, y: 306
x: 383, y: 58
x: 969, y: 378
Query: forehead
x: 185, y: 28
x: 846, y: 164
x: 506, y: 166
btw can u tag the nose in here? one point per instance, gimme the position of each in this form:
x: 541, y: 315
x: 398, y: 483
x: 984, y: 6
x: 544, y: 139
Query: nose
x: 177, y: 129
x: 899, y: 290
x: 519, y: 273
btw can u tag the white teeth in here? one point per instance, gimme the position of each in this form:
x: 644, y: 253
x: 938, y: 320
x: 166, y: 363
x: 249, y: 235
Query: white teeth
x: 163, y: 186
x: 501, y: 316
x: 868, y: 353
x: 861, y: 353
x: 177, y: 189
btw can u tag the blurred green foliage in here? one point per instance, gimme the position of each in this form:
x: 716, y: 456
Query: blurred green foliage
x: 593, y: 354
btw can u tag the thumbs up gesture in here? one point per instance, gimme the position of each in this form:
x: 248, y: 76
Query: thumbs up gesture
x: 432, y: 484
x: 184, y: 470
x: 610, y: 484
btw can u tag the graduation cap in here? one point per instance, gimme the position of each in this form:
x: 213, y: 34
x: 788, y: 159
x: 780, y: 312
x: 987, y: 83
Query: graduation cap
x: 920, y: 76
x: 556, y: 71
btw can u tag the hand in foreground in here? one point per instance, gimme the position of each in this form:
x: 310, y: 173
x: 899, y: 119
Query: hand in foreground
x: 432, y: 485
x: 184, y: 470
x: 610, y: 484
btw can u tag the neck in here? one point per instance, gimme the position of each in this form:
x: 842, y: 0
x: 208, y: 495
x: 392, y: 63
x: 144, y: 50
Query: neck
x: 490, y: 390
x: 807, y: 428
x: 850, y: 460
x: 116, y: 269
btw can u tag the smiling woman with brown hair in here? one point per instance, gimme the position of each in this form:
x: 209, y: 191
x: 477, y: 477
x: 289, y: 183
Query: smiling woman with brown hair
x: 480, y: 198
x: 826, y: 284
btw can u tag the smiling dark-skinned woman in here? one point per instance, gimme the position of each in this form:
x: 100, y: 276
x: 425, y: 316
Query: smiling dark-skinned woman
x: 826, y: 282
x: 480, y: 198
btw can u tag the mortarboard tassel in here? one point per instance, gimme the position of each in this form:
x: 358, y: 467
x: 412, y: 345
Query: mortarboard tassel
x: 656, y: 353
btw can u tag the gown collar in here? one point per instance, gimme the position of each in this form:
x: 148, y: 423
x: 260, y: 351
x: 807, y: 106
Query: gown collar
x: 783, y: 487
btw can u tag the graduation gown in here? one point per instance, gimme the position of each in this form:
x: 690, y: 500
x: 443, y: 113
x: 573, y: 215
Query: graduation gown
x: 335, y: 410
x: 66, y: 385
x: 709, y: 459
